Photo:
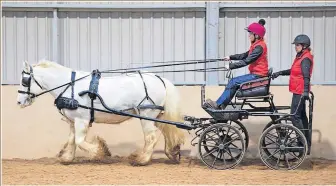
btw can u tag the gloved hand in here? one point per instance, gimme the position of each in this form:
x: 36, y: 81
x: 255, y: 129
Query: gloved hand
x: 276, y: 74
x: 305, y: 95
x: 227, y: 58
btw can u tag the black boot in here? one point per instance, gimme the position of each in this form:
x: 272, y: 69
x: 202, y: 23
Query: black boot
x: 210, y: 104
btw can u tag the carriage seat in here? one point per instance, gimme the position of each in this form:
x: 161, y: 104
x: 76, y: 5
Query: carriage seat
x: 255, y: 88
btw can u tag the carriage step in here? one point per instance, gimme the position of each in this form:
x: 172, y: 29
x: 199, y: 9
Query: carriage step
x: 229, y: 113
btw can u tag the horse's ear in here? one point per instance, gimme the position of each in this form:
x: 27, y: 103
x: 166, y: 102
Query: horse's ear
x: 26, y: 66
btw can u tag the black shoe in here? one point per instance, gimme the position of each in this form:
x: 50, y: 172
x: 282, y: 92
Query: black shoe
x: 210, y: 104
x: 222, y: 106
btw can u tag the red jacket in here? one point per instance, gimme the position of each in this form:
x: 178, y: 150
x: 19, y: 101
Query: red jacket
x: 296, y: 81
x: 259, y: 67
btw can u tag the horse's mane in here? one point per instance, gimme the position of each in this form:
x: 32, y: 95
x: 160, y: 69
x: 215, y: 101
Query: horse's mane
x: 48, y: 64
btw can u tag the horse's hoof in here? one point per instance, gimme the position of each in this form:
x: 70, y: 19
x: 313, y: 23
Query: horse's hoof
x: 176, y: 154
x: 62, y: 160
x: 177, y: 159
x: 65, y: 163
x: 136, y: 163
x: 137, y: 160
x: 132, y: 157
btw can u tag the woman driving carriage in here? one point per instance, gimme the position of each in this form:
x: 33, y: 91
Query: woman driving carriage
x: 299, y: 82
x: 256, y: 58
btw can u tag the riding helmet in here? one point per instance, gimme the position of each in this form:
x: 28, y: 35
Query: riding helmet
x: 257, y: 28
x: 302, y: 39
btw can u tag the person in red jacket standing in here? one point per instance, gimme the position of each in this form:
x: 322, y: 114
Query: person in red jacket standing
x: 255, y: 58
x: 299, y: 83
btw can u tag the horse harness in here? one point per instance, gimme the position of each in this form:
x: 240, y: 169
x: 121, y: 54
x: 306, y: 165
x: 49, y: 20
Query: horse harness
x: 62, y: 102
x: 93, y: 94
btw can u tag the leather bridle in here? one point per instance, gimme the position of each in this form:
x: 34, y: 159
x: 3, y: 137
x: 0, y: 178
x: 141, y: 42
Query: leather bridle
x: 26, y: 82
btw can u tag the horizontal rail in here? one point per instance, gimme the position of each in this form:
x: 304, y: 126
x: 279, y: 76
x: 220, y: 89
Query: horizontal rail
x: 103, y: 6
x: 265, y: 9
x: 166, y: 5
x: 277, y: 5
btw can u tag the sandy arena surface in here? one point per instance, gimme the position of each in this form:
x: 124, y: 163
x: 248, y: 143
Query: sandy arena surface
x: 160, y: 171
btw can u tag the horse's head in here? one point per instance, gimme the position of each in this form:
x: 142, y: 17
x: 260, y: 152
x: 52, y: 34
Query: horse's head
x: 29, y: 86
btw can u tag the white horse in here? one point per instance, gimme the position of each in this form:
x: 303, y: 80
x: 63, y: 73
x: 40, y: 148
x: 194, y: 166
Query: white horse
x: 119, y: 92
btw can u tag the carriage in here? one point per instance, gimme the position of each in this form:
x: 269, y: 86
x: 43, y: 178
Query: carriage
x: 281, y: 145
x: 222, y: 138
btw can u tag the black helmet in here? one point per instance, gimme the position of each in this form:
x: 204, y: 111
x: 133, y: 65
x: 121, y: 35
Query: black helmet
x: 302, y: 39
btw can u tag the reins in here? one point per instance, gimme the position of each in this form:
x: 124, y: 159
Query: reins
x: 190, y: 62
x: 166, y: 71
x: 132, y: 70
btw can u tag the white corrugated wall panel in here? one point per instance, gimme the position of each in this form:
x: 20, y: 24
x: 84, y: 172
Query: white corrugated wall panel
x: 111, y: 40
x: 25, y: 36
x: 272, y: 1
x: 282, y: 27
x: 134, y: 2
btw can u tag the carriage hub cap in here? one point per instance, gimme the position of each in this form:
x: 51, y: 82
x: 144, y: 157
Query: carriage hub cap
x: 282, y: 147
x: 221, y: 146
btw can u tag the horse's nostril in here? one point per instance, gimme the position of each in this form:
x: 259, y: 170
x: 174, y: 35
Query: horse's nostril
x: 18, y: 102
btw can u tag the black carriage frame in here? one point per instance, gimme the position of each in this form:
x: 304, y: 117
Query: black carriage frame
x: 258, y: 91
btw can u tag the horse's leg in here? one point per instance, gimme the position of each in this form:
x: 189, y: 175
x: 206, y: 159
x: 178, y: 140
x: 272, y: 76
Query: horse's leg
x: 174, y: 139
x: 97, y: 148
x: 172, y: 148
x: 143, y: 156
x: 67, y: 154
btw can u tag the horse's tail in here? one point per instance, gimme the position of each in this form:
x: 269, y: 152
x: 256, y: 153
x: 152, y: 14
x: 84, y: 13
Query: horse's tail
x: 174, y: 137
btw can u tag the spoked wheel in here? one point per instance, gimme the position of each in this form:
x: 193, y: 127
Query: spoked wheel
x: 221, y: 146
x: 282, y: 146
x: 241, y: 128
x: 282, y: 133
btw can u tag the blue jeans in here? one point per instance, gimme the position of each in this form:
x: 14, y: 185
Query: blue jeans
x: 233, y: 86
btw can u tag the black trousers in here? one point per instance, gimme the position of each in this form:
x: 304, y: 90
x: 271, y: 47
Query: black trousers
x: 300, y: 119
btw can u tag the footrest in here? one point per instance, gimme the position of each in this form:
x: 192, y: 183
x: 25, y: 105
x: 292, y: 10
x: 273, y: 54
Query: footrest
x: 229, y: 113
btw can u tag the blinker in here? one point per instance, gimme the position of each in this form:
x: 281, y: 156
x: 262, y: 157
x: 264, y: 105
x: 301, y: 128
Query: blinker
x: 26, y: 81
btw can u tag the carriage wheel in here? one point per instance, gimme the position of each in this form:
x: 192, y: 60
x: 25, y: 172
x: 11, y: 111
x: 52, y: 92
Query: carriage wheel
x: 221, y: 146
x: 241, y: 128
x: 268, y: 153
x: 282, y: 146
x: 243, y: 131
